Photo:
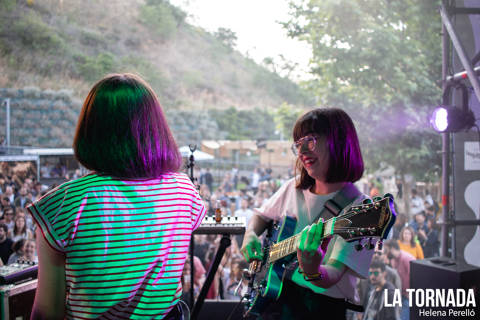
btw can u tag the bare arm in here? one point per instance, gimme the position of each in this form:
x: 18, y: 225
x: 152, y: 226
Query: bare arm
x: 50, y: 296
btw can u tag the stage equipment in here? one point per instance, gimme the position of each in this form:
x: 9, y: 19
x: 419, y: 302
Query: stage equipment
x: 16, y: 300
x: 443, y: 273
x: 452, y: 119
x: 228, y: 225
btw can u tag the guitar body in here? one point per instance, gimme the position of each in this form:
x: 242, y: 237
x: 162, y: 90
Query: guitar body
x: 363, y: 222
x: 266, y: 284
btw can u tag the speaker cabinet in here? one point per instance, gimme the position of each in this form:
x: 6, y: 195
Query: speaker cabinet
x: 221, y: 309
x: 443, y: 273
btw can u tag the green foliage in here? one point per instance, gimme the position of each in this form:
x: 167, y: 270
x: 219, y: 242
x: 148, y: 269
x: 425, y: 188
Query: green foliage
x: 244, y: 124
x: 33, y: 33
x: 383, y: 67
x: 285, y: 117
x: 7, y: 5
x: 226, y: 36
x: 162, y: 17
x: 92, y: 69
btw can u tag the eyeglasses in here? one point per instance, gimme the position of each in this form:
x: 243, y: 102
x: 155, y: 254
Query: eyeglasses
x: 375, y: 273
x: 309, y: 141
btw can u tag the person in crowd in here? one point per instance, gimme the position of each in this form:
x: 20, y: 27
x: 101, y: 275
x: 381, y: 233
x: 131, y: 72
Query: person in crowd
x: 207, y: 179
x: 236, y: 285
x: 408, y: 243
x: 328, y: 159
x: 5, y: 202
x: 29, y: 252
x: 123, y: 230
x: 381, y: 289
x: 22, y: 199
x: 20, y: 230
x: 198, y: 278
x: 400, y: 261
x: 5, y: 244
x: 8, y: 217
x: 17, y: 248
x: 255, y: 180
x: 10, y: 194
x: 391, y: 275
x: 418, y: 222
x: 416, y: 203
x: 429, y: 240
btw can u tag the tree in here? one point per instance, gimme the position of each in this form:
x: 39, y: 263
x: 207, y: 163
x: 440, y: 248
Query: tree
x: 381, y: 61
x: 227, y: 37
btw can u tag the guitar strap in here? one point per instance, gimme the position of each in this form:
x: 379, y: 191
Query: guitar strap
x: 340, y: 201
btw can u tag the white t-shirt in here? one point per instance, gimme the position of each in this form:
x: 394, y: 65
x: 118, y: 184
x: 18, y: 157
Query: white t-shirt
x: 305, y: 206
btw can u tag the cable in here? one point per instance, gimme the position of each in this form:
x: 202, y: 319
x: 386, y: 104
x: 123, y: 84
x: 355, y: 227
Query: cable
x: 236, y: 307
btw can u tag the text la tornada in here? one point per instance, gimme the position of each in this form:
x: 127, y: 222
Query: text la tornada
x: 433, y: 298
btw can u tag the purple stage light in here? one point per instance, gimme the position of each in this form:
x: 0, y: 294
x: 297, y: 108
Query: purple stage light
x: 439, y: 119
x: 451, y: 119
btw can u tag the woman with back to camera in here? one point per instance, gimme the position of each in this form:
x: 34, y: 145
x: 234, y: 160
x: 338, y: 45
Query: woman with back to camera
x: 329, y: 160
x: 112, y: 244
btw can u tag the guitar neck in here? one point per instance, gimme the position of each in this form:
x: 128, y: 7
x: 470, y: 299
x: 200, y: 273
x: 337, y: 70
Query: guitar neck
x: 288, y: 246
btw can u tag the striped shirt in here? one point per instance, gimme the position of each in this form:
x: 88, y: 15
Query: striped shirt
x: 125, y: 242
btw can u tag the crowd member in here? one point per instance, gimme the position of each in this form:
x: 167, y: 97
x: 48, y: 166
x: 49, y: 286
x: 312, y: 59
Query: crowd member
x: 381, y: 289
x: 20, y: 230
x: 127, y: 224
x: 429, y: 239
x: 408, y: 243
x: 416, y: 203
x: 391, y: 275
x: 418, y: 222
x: 8, y: 217
x: 5, y: 244
x: 22, y: 200
x: 400, y: 261
x: 329, y: 160
x: 29, y: 252
x: 198, y: 278
x: 207, y: 179
x: 17, y: 248
x: 236, y: 285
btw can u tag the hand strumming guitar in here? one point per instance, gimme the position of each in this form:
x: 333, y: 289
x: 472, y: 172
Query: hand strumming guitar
x: 252, y: 247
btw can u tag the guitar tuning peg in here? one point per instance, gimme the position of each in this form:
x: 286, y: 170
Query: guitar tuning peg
x: 367, y: 201
x: 375, y: 199
x: 359, y: 246
x: 388, y: 195
x: 370, y: 245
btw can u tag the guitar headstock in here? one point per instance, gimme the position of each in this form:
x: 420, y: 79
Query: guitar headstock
x: 371, y: 220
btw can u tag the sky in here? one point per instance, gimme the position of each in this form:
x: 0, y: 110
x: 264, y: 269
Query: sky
x: 255, y: 24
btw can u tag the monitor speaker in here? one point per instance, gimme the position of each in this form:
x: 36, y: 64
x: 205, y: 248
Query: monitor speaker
x: 443, y: 273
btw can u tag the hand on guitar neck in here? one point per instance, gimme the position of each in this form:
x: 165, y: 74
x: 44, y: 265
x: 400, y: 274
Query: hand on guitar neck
x: 311, y: 249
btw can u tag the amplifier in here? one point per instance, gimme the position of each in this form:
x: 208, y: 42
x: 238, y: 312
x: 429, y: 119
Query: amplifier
x: 16, y: 300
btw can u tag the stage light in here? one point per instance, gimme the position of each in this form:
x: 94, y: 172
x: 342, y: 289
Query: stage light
x: 451, y: 119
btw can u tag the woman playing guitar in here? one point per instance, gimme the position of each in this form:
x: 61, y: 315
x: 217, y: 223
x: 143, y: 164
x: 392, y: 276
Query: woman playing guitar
x: 329, y: 161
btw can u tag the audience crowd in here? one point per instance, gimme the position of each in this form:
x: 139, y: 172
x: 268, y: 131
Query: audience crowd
x: 412, y: 238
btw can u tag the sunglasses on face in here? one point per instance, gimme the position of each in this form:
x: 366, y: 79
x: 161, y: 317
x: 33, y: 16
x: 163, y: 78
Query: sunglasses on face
x: 375, y: 273
x: 308, y: 141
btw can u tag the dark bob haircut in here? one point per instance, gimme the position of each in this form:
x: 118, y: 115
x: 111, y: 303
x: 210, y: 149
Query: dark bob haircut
x: 122, y: 130
x: 345, y: 156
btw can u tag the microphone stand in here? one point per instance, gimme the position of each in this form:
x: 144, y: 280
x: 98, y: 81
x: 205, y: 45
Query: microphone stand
x: 190, y: 166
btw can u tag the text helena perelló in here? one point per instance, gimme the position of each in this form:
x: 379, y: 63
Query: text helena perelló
x: 433, y: 298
